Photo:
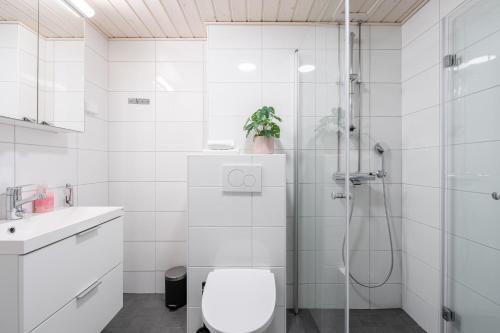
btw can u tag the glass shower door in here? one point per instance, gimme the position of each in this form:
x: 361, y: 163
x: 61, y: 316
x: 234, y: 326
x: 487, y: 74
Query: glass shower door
x: 471, y: 172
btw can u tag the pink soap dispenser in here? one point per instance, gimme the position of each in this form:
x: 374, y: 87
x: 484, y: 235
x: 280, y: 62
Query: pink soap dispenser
x: 44, y: 205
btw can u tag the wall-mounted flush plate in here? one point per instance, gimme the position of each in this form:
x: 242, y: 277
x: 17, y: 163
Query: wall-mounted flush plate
x: 242, y: 178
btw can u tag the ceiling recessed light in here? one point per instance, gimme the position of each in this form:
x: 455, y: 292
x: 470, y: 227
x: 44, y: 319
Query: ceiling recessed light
x: 306, y: 68
x: 247, y: 67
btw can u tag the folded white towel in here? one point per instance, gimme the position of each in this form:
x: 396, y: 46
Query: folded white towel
x: 220, y: 144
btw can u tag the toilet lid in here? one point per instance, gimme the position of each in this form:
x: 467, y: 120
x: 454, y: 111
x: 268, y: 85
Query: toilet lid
x: 238, y: 300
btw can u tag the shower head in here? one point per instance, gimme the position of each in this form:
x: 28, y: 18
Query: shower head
x: 379, y: 148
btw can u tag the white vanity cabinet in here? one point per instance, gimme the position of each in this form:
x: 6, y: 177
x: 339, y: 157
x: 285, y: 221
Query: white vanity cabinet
x: 72, y: 285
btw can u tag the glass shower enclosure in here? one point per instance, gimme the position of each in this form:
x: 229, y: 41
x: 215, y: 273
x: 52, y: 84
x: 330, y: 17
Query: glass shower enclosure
x: 471, y: 168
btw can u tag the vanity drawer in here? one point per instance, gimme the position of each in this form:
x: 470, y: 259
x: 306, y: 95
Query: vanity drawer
x: 91, y: 311
x: 55, y: 274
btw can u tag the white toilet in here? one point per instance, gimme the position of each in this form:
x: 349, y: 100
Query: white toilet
x: 238, y: 300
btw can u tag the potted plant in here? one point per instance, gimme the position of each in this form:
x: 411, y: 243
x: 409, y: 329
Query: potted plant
x: 264, y: 129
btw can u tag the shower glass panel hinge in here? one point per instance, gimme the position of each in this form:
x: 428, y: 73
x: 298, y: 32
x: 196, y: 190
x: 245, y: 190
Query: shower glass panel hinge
x: 447, y: 314
x: 450, y: 60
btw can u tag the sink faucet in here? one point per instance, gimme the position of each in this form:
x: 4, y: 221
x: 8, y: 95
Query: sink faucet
x: 15, y: 201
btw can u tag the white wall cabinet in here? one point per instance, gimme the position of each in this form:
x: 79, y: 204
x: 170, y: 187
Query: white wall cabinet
x: 42, y: 65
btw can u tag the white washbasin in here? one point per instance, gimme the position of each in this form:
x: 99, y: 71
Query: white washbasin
x: 38, y: 230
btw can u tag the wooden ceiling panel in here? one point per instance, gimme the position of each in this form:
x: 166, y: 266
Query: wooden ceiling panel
x: 187, y: 18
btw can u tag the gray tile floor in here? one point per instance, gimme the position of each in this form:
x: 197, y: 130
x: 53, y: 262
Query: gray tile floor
x: 362, y: 321
x: 146, y: 313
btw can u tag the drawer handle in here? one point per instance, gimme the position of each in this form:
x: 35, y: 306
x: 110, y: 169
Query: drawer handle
x: 88, y: 231
x: 88, y: 290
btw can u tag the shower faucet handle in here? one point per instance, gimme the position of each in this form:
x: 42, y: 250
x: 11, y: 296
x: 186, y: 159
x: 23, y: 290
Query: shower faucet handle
x: 495, y: 196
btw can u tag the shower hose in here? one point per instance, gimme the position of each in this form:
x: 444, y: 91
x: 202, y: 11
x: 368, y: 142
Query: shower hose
x: 388, y: 222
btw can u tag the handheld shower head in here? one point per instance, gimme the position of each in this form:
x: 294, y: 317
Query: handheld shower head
x: 379, y: 148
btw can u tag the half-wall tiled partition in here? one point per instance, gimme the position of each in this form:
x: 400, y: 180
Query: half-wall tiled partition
x: 235, y: 229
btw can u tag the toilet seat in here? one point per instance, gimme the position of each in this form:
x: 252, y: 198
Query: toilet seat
x: 238, y: 300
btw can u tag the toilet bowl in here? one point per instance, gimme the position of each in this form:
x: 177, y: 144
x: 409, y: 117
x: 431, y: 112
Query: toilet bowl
x: 238, y: 300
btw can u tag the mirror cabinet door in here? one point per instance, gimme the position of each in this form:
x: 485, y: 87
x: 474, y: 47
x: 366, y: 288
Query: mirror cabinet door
x: 18, y: 59
x: 61, y: 66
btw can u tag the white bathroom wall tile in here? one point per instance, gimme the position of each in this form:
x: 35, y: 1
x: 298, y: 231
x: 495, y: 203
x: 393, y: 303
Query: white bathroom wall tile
x: 139, y: 226
x: 211, y: 172
x: 171, y: 196
x: 393, y: 193
x: 220, y: 246
x: 386, y: 297
x: 230, y: 99
x: 121, y: 110
x: 139, y: 282
x: 421, y: 54
x: 417, y: 234
x: 421, y: 129
x: 171, y: 166
x: 6, y: 166
x: 131, y: 166
x: 425, y: 314
x: 170, y: 254
x: 138, y: 256
x: 179, y: 106
x: 447, y: 6
x: 55, y: 166
x: 93, y: 194
x: 421, y: 204
x: 379, y: 235
x: 131, y: 76
x: 421, y: 91
x: 380, y: 264
x: 223, y: 65
x: 210, y: 206
x: 273, y: 167
x: 385, y: 99
x: 269, y: 207
x: 196, y: 276
x: 268, y: 246
x: 385, y: 66
x: 132, y: 196
x: 287, y: 37
x: 417, y: 173
x: 171, y: 226
x: 385, y: 37
x: 422, y: 279
x: 179, y: 76
x: 237, y: 37
x: 179, y: 136
x: 131, y: 51
x: 179, y: 51
x: 131, y: 136
x: 423, y: 20
x: 95, y: 135
x: 229, y: 128
x: 92, y: 166
x: 95, y: 40
x: 277, y: 66
x: 97, y: 73
x: 386, y: 130
x: 279, y: 96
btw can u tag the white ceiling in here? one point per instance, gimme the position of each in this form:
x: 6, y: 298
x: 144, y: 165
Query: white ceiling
x: 187, y: 18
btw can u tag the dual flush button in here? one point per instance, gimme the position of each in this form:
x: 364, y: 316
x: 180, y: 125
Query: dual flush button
x: 242, y: 178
